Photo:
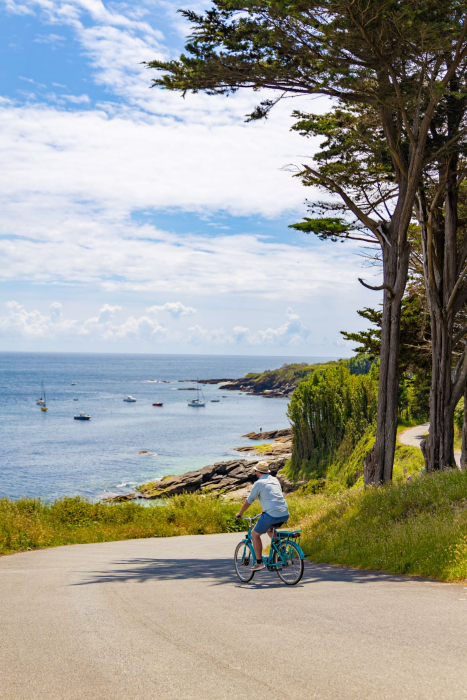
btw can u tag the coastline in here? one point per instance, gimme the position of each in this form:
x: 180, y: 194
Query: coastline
x: 227, y: 477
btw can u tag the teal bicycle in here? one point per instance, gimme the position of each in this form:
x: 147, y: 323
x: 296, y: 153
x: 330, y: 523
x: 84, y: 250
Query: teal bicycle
x: 285, y: 556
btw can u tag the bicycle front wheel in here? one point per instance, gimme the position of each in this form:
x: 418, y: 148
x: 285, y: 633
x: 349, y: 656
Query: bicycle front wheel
x: 290, y: 564
x: 244, y: 560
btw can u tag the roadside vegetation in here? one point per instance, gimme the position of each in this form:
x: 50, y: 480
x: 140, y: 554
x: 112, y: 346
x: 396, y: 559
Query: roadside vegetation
x: 30, y: 524
x: 417, y: 528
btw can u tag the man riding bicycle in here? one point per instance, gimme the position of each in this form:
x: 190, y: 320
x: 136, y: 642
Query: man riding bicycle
x: 275, y: 510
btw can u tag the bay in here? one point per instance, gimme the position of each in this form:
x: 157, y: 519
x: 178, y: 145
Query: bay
x: 50, y: 455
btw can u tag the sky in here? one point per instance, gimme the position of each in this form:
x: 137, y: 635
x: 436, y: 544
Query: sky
x: 135, y: 220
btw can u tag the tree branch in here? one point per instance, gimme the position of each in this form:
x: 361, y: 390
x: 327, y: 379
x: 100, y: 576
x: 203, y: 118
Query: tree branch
x: 378, y: 289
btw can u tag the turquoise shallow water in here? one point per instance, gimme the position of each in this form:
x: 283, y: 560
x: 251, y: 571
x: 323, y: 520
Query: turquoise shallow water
x: 50, y: 454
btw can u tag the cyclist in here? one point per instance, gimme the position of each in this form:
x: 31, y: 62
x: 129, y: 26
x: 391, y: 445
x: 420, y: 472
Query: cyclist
x: 275, y: 510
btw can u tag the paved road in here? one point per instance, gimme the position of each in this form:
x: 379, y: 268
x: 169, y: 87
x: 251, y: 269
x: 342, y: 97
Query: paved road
x: 166, y: 618
x: 414, y: 436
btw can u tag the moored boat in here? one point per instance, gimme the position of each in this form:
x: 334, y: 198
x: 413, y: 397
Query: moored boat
x: 41, y: 400
x: 130, y: 399
x: 197, y: 401
x: 82, y: 416
x: 157, y: 403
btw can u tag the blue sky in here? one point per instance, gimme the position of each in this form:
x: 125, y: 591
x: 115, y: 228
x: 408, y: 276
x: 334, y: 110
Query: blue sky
x: 134, y: 220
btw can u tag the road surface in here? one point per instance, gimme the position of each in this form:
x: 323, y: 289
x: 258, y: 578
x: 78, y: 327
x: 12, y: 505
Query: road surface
x: 167, y: 618
x: 414, y: 436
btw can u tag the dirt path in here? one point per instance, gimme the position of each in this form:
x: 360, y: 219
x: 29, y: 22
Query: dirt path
x: 414, y: 436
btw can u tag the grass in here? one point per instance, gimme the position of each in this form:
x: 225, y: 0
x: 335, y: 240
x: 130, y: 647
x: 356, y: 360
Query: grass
x: 416, y: 528
x: 30, y: 524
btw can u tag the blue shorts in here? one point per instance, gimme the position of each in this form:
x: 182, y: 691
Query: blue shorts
x: 266, y: 521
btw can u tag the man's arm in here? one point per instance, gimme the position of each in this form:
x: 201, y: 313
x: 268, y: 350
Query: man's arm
x: 243, y: 509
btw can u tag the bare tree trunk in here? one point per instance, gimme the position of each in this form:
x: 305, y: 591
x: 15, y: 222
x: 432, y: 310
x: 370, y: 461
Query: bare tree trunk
x: 438, y: 448
x: 378, y: 464
x: 441, y: 277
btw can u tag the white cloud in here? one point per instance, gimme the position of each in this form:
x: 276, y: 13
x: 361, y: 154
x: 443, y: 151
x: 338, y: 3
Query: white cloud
x: 122, y: 256
x: 77, y: 99
x: 174, y: 308
x: 30, y: 325
x: 293, y: 332
x: 16, y: 9
x: 49, y: 39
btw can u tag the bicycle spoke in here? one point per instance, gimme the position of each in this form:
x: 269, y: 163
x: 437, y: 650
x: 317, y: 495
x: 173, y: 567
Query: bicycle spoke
x: 289, y: 563
x: 244, y: 561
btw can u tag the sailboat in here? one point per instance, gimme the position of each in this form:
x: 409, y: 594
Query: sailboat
x: 44, y: 405
x: 197, y: 402
x: 41, y: 401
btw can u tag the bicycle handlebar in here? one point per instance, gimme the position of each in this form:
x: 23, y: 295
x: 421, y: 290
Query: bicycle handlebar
x: 253, y: 518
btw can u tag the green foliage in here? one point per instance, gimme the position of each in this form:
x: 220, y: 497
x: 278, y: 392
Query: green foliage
x: 361, y: 364
x: 414, y: 354
x: 329, y: 413
x: 324, y: 227
x: 29, y: 523
x: 414, y: 396
x: 416, y: 528
x: 459, y: 415
x: 299, y: 371
x: 348, y: 471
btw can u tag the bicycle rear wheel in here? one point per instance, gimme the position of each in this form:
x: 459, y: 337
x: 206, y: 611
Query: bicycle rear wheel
x: 244, y: 559
x: 290, y: 565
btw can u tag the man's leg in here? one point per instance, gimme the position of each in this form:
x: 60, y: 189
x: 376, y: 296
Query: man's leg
x: 258, y: 545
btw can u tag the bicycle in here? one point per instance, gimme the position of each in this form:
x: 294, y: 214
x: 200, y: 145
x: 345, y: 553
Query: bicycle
x: 285, y: 556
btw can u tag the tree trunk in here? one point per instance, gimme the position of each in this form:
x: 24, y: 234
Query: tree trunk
x: 441, y: 276
x: 378, y: 464
x: 438, y: 448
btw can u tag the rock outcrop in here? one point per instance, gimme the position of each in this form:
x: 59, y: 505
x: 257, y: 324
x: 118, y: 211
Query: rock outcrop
x: 270, y: 434
x: 222, y: 476
x: 282, y: 444
x: 233, y: 477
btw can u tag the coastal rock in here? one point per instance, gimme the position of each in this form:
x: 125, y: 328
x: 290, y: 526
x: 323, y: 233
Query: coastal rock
x: 288, y: 486
x: 222, y: 476
x: 234, y: 475
x: 120, y: 498
x: 270, y: 434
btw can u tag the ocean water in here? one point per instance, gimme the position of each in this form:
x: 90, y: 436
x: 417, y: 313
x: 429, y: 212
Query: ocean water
x: 50, y: 455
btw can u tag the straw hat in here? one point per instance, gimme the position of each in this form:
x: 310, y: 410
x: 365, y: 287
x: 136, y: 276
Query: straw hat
x: 262, y: 467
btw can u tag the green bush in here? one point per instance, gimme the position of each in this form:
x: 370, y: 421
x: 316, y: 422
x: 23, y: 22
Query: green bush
x: 329, y: 414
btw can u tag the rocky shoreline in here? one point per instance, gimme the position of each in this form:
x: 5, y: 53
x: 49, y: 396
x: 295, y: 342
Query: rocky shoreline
x: 250, y: 386
x: 233, y: 477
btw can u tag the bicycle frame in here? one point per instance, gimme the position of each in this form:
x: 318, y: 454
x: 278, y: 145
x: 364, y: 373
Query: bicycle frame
x: 277, y: 540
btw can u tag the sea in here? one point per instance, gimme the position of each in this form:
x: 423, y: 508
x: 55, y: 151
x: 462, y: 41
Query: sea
x: 49, y: 455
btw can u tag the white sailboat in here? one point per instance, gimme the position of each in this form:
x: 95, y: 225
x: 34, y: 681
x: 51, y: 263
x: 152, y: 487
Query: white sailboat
x: 41, y: 400
x: 43, y: 405
x: 197, y: 402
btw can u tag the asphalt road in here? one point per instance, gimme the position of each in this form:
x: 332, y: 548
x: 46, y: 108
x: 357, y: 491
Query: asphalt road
x: 167, y: 618
x: 414, y: 436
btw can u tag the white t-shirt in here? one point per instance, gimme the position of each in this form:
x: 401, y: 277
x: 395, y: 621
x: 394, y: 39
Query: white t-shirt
x: 269, y: 493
